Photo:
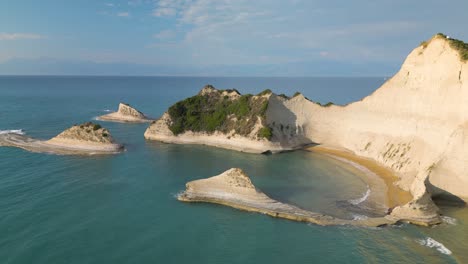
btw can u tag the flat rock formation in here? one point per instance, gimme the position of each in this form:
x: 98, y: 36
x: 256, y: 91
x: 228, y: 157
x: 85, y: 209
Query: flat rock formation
x: 233, y: 188
x: 126, y: 113
x: 87, y: 138
x: 221, y: 118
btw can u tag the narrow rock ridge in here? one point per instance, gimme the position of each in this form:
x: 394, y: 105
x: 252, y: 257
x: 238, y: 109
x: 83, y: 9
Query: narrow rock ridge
x: 234, y: 188
x: 125, y: 114
x: 87, y: 138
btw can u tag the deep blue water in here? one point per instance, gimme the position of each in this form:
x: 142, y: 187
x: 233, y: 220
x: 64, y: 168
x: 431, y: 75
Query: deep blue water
x: 122, y: 208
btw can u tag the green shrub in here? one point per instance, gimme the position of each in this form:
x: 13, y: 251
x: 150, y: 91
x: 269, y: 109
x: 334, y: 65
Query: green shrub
x: 214, y: 112
x: 265, y: 132
x: 458, y: 45
x: 296, y: 94
x: 328, y: 104
x: 96, y: 127
x: 424, y: 44
x: 105, y: 135
x: 267, y: 91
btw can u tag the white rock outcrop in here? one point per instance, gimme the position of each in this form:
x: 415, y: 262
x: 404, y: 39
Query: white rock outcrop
x: 126, y: 113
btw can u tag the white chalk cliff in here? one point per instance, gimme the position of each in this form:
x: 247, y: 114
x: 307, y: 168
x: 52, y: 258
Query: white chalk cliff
x: 416, y: 124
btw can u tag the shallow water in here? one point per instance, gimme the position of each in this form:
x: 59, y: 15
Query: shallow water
x: 122, y: 208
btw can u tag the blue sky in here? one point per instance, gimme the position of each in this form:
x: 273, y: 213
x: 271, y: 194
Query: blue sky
x: 219, y: 37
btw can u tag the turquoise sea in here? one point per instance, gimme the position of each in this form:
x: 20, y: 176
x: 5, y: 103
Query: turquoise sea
x: 122, y: 208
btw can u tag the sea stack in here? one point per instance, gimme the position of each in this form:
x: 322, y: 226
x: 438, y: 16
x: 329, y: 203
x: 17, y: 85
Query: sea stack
x: 87, y: 138
x: 126, y: 114
x: 235, y: 189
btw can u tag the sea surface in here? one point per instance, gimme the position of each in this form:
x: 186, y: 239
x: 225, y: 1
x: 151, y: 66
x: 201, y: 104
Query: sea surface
x: 122, y: 208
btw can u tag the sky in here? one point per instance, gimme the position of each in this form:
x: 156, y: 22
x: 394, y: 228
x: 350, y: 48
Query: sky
x: 219, y: 37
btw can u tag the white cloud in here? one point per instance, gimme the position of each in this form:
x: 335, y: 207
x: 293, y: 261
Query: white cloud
x: 165, y: 34
x: 17, y: 36
x: 123, y: 14
x: 168, y: 8
x: 164, y: 11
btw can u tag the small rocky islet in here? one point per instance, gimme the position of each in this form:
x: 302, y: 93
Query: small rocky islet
x: 84, y: 139
x: 125, y: 114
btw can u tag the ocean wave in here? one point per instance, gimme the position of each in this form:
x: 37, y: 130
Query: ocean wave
x: 107, y: 110
x: 359, y: 217
x: 361, y: 199
x: 12, y: 131
x: 449, y: 220
x: 432, y: 243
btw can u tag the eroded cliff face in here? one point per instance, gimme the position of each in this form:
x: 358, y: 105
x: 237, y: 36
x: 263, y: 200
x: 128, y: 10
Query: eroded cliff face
x: 416, y: 123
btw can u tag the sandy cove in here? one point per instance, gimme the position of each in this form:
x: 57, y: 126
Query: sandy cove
x: 395, y: 195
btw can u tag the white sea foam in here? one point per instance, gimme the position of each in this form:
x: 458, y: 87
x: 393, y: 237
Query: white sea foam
x: 449, y: 220
x: 431, y: 243
x: 359, y: 217
x: 361, y: 199
x: 107, y: 110
x: 12, y: 131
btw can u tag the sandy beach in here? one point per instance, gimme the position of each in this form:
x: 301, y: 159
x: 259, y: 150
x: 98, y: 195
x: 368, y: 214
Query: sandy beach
x: 396, y: 196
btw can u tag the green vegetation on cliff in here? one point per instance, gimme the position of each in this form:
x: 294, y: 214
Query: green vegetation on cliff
x: 219, y: 110
x: 456, y: 44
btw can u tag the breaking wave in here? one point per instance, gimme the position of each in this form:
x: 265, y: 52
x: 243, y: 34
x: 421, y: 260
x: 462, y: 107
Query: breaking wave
x: 12, y: 131
x: 361, y: 199
x: 449, y: 220
x: 431, y: 243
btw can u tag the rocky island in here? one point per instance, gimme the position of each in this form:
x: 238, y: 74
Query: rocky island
x: 125, y: 114
x: 87, y: 138
x: 415, y: 125
x: 225, y: 119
